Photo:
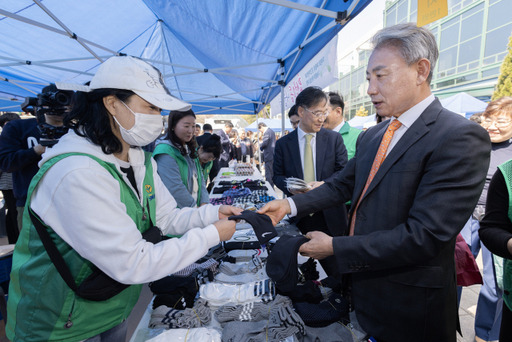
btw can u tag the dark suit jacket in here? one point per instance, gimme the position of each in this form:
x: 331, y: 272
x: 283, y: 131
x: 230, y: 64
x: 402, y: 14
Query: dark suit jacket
x: 402, y: 255
x: 267, y: 145
x: 331, y: 156
x: 225, y: 156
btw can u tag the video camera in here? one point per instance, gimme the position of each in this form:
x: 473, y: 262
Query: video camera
x: 51, y: 101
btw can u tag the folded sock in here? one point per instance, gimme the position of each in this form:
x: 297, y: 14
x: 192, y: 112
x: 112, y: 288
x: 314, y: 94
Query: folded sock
x: 180, y: 300
x: 196, y: 334
x: 334, y: 332
x: 282, y: 264
x: 209, y: 264
x: 282, y: 323
x: 320, y: 315
x: 242, y: 278
x: 310, y: 292
x: 261, y: 223
x: 231, y: 245
x: 248, y: 254
x: 252, y: 266
x: 252, y: 312
x: 218, y: 294
x: 169, y: 318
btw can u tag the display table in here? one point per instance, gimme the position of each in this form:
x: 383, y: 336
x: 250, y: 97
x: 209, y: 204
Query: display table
x: 228, y: 174
x: 244, y: 232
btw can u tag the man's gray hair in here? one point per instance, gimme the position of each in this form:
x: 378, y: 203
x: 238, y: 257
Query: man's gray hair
x: 414, y: 43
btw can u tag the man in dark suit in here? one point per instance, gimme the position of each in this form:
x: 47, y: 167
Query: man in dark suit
x: 405, y: 220
x: 328, y: 154
x: 267, y: 147
x: 207, y: 131
x: 225, y: 156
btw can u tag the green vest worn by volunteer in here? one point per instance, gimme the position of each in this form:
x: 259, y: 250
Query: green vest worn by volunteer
x: 504, y: 275
x: 183, y: 166
x: 349, y: 135
x: 206, y: 169
x: 41, y: 307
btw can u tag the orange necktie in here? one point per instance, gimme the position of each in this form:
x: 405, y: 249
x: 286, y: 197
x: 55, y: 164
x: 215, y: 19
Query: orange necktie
x: 379, y: 158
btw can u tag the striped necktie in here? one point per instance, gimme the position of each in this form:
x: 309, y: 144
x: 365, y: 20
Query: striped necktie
x: 379, y: 158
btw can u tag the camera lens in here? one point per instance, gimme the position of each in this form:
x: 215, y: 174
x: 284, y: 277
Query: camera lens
x: 62, y: 98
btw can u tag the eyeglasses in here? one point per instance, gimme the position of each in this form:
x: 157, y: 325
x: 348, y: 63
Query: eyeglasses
x: 317, y: 114
x: 500, y: 123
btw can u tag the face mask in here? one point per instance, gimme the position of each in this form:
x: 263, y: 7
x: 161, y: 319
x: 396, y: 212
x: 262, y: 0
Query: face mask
x: 146, y: 129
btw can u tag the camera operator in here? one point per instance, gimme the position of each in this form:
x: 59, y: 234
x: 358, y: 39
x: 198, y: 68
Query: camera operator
x: 22, y: 142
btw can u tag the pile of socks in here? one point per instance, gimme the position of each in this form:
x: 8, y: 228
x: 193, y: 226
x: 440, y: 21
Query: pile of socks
x: 196, y: 334
x: 242, y: 273
x: 179, y: 292
x: 169, y: 318
x: 221, y: 201
x: 218, y: 294
x: 233, y: 193
x: 274, y: 321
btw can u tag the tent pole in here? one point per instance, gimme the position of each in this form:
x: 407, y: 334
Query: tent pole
x: 282, y: 111
x: 304, y: 8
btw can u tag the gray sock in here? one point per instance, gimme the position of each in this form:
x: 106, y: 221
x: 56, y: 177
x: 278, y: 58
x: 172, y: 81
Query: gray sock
x: 252, y: 312
x: 278, y: 321
x: 169, y: 318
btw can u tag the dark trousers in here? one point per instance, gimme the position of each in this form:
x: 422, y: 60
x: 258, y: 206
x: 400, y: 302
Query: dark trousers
x: 269, y: 172
x: 11, y: 217
x: 506, y: 324
x: 317, y: 222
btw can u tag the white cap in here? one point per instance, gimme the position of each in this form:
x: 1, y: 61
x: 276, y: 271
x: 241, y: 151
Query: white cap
x: 131, y: 73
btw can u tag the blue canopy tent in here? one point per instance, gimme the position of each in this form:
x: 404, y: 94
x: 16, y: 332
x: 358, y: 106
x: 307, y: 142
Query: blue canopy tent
x: 274, y: 124
x: 223, y: 56
x: 464, y: 104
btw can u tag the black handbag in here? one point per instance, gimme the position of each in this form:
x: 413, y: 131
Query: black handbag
x: 97, y: 286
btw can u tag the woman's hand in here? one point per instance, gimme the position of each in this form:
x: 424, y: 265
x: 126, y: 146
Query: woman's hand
x: 225, y: 228
x: 228, y: 210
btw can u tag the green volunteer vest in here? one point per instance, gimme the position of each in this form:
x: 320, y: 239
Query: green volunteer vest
x: 506, y: 264
x: 206, y: 170
x: 183, y: 166
x: 349, y: 135
x: 41, y: 307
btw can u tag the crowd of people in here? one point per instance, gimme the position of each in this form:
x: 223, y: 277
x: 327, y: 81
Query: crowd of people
x: 125, y: 204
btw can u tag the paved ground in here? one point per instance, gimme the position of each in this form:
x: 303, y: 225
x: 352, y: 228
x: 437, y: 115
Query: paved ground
x: 467, y: 312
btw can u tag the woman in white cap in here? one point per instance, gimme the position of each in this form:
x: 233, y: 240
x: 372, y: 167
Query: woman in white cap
x: 89, y: 234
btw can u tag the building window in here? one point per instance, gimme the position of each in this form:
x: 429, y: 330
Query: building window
x: 391, y: 16
x: 496, y: 40
x: 454, y: 6
x: 448, y: 59
x: 491, y: 72
x: 472, y: 22
x: 401, y: 12
x: 469, y: 51
x: 499, y: 14
x: 449, y: 34
x: 446, y: 83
